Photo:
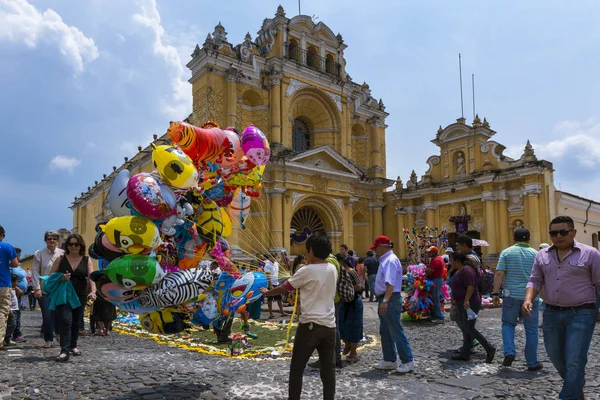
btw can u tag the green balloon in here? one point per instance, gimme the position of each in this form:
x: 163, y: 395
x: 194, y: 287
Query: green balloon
x: 134, y: 271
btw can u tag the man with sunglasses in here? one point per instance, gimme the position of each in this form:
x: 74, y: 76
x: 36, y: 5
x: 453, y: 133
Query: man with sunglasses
x: 569, y: 271
x: 43, y: 260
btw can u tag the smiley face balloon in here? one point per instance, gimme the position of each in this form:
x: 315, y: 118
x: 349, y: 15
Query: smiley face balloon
x: 132, y: 234
x: 175, y: 167
x: 255, y: 145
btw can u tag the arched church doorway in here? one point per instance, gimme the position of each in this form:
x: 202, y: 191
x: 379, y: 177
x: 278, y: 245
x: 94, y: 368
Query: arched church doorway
x: 305, y: 222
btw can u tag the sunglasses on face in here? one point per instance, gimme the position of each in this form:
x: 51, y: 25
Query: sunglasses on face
x: 73, y: 244
x: 562, y: 232
x: 52, y: 238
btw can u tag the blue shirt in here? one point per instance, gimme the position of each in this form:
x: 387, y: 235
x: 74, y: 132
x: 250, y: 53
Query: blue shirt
x: 390, y: 271
x: 7, y: 253
x: 22, y: 282
x: 516, y: 262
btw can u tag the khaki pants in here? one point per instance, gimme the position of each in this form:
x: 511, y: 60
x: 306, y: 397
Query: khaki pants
x: 5, y: 299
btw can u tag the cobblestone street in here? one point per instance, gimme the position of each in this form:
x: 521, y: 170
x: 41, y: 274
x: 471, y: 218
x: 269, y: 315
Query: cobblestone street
x: 126, y: 367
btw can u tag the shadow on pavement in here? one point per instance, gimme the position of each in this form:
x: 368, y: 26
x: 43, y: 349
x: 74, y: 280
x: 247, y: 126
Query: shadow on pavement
x: 174, y: 391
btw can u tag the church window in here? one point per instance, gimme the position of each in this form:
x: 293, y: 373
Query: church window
x: 305, y: 222
x: 300, y: 135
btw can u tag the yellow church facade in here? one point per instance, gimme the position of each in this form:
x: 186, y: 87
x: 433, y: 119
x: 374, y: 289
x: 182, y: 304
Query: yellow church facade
x: 328, y: 168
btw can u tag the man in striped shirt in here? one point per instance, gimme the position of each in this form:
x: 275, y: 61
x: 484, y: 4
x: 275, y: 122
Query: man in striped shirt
x: 513, y: 271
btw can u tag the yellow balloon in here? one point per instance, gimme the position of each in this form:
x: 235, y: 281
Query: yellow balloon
x: 252, y: 178
x: 132, y: 234
x: 209, y: 223
x: 227, y: 224
x: 175, y: 167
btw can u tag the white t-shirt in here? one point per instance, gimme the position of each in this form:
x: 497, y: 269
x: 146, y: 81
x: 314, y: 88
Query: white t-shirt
x: 272, y: 270
x: 318, y: 284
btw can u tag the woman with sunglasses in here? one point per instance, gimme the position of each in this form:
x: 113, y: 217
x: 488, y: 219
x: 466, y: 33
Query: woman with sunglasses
x: 76, y: 267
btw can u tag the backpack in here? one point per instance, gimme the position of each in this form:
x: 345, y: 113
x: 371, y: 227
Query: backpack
x: 345, y: 287
x: 485, y: 278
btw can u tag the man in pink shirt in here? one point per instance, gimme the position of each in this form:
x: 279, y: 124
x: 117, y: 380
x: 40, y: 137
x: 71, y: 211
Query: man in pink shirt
x: 570, y: 272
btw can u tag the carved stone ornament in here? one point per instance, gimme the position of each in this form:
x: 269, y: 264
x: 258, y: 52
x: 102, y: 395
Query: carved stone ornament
x: 295, y: 197
x: 336, y: 99
x: 246, y: 48
x: 266, y: 40
x: 319, y: 183
x: 516, y: 204
x: 294, y: 86
x: 420, y: 217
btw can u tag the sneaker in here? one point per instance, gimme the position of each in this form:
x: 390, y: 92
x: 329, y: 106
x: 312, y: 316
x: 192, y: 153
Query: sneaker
x: 385, y: 365
x: 536, y: 368
x: 508, y: 360
x: 438, y: 321
x: 20, y: 339
x: 406, y: 367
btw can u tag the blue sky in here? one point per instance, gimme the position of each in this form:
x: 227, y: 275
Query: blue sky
x: 83, y: 83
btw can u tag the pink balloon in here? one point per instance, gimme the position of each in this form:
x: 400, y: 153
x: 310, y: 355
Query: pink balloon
x: 255, y: 145
x: 149, y: 197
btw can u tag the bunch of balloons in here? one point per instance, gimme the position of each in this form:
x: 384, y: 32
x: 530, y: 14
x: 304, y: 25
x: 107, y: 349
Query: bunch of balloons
x: 418, y: 303
x: 166, y: 221
x: 419, y: 239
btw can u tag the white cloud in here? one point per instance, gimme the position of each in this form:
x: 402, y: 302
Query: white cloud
x: 578, y: 141
x: 64, y: 163
x: 181, y: 98
x: 22, y: 22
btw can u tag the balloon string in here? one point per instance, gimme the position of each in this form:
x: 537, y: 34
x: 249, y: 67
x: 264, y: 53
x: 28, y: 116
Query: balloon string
x: 287, y: 335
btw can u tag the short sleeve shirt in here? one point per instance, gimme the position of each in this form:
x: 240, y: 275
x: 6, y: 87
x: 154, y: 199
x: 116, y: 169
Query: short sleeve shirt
x: 7, y: 253
x: 318, y: 285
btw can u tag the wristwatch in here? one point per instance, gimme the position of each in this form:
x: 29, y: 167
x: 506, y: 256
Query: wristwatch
x: 384, y: 300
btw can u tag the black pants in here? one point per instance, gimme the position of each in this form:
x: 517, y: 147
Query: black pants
x: 322, y: 339
x: 468, y: 330
x: 68, y: 320
x: 11, y: 324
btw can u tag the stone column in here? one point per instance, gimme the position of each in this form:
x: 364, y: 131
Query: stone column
x: 400, y: 225
x: 275, y: 105
x: 377, y: 218
x: 233, y: 76
x: 502, y: 224
x: 533, y: 214
x: 429, y: 206
x: 490, y: 231
x: 276, y: 195
x: 349, y: 221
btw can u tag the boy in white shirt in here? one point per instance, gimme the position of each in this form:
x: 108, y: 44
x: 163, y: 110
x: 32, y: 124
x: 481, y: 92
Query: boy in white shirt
x: 316, y: 328
x: 14, y: 310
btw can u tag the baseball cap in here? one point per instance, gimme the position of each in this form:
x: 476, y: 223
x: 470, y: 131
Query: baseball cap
x: 380, y: 240
x: 449, y: 250
x: 521, y: 235
x: 433, y: 248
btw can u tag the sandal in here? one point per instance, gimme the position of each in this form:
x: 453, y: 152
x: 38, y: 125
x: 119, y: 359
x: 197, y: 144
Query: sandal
x: 62, y: 358
x: 47, y: 345
x: 346, y: 351
x: 76, y: 352
x: 351, y: 359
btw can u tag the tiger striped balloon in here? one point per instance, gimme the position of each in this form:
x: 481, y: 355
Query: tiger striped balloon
x: 201, y: 145
x: 209, y: 222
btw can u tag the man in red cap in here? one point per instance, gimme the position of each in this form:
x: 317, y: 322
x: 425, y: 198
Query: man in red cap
x: 436, y: 272
x: 388, y: 288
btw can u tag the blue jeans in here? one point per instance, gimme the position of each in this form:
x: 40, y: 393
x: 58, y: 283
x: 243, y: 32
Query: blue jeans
x: 510, y: 314
x: 371, y: 278
x: 47, y: 318
x: 393, y: 338
x: 435, y: 294
x: 567, y: 336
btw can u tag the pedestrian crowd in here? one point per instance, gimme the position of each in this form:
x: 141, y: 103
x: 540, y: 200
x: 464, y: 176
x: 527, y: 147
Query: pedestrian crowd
x: 559, y: 281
